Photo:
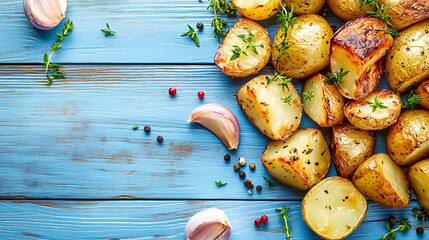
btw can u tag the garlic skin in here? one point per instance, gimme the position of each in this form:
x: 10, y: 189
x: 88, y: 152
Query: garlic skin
x: 209, y: 224
x: 219, y: 120
x: 45, y: 14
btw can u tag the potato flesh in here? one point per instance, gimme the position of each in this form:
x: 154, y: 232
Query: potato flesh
x: 334, y: 208
x: 315, y: 108
x: 418, y: 175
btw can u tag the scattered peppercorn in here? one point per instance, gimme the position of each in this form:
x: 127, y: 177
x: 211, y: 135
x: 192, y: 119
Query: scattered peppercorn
x: 420, y: 230
x: 236, y: 167
x: 258, y: 188
x: 172, y: 91
x: 392, y: 220
x: 201, y: 94
x: 252, y: 166
x: 264, y: 218
x: 248, y: 184
x: 241, y: 161
x: 257, y: 222
x: 334, y: 28
x: 242, y: 174
x: 160, y: 139
x: 419, y: 217
x: 200, y: 25
x: 147, y: 129
x: 227, y: 157
x: 324, y: 12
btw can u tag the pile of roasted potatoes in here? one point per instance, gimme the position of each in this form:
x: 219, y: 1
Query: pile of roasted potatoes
x: 340, y: 72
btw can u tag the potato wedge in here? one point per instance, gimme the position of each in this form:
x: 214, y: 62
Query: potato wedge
x: 257, y: 9
x: 382, y: 181
x: 365, y: 114
x: 326, y: 107
x: 301, y: 7
x: 357, y: 47
x: 264, y: 105
x: 237, y: 36
x: 407, y: 142
x: 300, y: 161
x: 349, y: 9
x: 351, y: 146
x: 309, y: 47
x: 407, y: 62
x: 418, y: 175
x: 423, y: 91
x: 334, y: 208
x: 406, y: 12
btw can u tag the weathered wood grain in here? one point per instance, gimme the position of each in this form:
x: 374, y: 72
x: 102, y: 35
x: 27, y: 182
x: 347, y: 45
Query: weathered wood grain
x: 167, y: 220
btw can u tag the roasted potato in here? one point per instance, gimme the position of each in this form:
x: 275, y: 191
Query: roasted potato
x: 408, y: 140
x: 349, y: 9
x: 257, y: 9
x: 300, y: 161
x: 407, y: 62
x: 351, y: 146
x: 418, y: 175
x: 377, y: 111
x: 309, y: 42
x: 265, y: 105
x: 333, y: 208
x: 357, y: 47
x: 405, y: 12
x: 382, y: 181
x: 326, y: 107
x: 423, y: 91
x: 301, y: 7
x: 241, y: 37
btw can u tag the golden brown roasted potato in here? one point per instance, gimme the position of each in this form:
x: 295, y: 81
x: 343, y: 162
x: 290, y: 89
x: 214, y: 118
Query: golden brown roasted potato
x: 301, y: 7
x: 382, y: 181
x: 349, y: 9
x: 418, y: 175
x: 265, y: 105
x: 326, y: 107
x: 333, y: 208
x: 405, y: 12
x: 309, y: 47
x: 356, y: 48
x: 407, y: 62
x: 377, y: 111
x: 300, y: 161
x: 257, y: 9
x: 423, y: 91
x: 351, y: 146
x: 408, y: 140
x: 244, y: 34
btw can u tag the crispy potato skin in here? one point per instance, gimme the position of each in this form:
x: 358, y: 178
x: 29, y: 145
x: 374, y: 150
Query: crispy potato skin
x: 244, y: 65
x: 327, y: 107
x: 423, y: 91
x: 300, y: 161
x: 360, y: 113
x: 301, y: 7
x: 257, y: 9
x: 334, y: 208
x: 351, y: 146
x: 407, y: 63
x: 349, y: 9
x: 406, y: 12
x: 309, y: 47
x: 382, y: 181
x: 408, y: 140
x: 418, y: 176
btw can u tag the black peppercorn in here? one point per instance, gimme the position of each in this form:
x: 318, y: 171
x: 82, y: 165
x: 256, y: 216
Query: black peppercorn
x: 392, y: 220
x: 420, y: 230
x: 227, y: 157
x: 147, y: 129
x: 419, y: 217
x: 236, y: 167
x: 242, y: 174
x: 252, y: 166
x: 160, y: 139
x: 248, y: 184
x: 258, y: 188
x: 200, y: 25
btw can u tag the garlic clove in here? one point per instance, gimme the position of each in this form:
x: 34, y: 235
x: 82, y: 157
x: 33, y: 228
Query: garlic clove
x: 219, y: 120
x: 209, y: 224
x: 45, y: 14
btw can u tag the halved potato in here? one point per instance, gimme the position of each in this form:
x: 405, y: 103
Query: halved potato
x: 301, y: 7
x: 264, y: 105
x: 357, y: 47
x: 244, y: 65
x: 334, y: 208
x: 351, y: 146
x: 407, y: 62
x: 257, y: 9
x: 382, y: 181
x: 300, y: 161
x: 408, y: 140
x: 326, y: 107
x: 349, y: 9
x: 418, y: 175
x: 362, y: 113
x: 423, y: 91
x: 405, y: 12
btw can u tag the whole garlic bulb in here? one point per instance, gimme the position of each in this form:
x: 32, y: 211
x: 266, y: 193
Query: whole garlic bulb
x: 45, y: 14
x: 209, y: 224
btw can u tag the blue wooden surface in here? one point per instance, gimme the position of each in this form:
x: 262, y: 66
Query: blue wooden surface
x: 73, y: 140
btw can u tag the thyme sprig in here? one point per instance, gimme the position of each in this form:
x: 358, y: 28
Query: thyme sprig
x: 236, y: 52
x: 286, y: 229
x: 249, y: 41
x: 412, y: 100
x: 278, y: 76
x: 219, y: 25
x: 380, y: 13
x: 392, y: 235
x: 287, y: 100
x: 107, y: 31
x: 270, y: 183
x: 376, y: 104
x: 193, y: 35
x: 420, y: 213
x: 337, y: 77
x: 220, y: 183
x: 287, y: 21
x: 308, y: 95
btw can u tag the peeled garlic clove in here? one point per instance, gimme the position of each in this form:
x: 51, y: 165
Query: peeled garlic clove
x: 45, y: 14
x: 209, y: 224
x: 221, y: 121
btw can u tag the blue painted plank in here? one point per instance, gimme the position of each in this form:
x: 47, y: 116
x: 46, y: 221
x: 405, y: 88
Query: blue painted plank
x: 167, y: 220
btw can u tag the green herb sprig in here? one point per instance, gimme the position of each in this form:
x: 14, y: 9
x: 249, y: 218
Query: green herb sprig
x: 219, y: 25
x: 369, y: 2
x: 308, y: 95
x: 381, y: 14
x: 107, y: 31
x: 337, y: 77
x: 287, y: 21
x: 286, y: 229
x: 270, y: 183
x: 220, y: 183
x: 284, y: 81
x: 193, y: 35
x: 376, y: 104
x: 136, y: 127
x: 420, y: 211
x: 392, y: 235
x: 412, y: 100
x: 287, y: 100
x: 249, y: 41
x: 236, y: 52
